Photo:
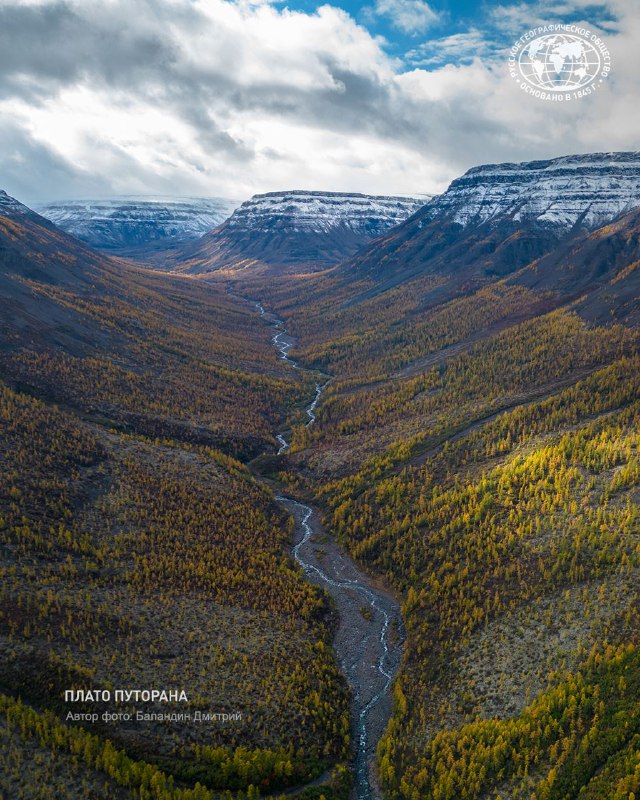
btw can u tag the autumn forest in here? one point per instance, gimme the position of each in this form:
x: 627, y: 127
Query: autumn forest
x: 460, y: 410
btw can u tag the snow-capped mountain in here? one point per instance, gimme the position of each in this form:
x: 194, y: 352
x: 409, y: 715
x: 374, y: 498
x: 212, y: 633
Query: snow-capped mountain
x: 586, y: 189
x: 323, y: 211
x: 11, y: 205
x: 132, y: 224
x: 299, y: 229
x: 498, y: 218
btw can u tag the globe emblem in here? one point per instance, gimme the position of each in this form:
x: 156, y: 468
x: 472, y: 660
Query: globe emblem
x: 559, y: 62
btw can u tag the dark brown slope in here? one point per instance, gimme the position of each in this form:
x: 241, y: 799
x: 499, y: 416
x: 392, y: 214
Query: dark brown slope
x: 435, y: 282
x: 496, y: 219
x: 267, y: 251
x: 599, y: 268
x: 458, y: 258
x: 157, y: 354
x: 38, y: 260
x: 293, y: 231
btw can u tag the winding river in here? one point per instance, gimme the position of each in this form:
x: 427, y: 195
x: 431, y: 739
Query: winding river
x: 369, y: 638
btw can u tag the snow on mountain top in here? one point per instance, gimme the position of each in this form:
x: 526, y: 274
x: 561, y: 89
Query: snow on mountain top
x: 117, y: 222
x: 10, y: 203
x: 135, y: 199
x: 591, y: 189
x: 623, y: 160
x: 310, y: 193
x: 137, y: 207
x: 315, y: 210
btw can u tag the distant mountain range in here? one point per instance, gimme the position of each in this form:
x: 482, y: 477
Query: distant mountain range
x: 138, y: 226
x: 543, y: 224
x: 296, y: 230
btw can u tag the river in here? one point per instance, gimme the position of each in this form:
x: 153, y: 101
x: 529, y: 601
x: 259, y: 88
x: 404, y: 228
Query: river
x: 369, y: 639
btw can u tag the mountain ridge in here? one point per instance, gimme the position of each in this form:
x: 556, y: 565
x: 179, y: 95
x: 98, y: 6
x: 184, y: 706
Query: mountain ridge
x: 598, y: 186
x: 497, y: 219
x: 299, y: 229
x: 132, y: 225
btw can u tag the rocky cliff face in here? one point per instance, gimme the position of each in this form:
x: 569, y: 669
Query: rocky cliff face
x: 305, y: 230
x: 131, y: 225
x: 322, y: 212
x: 588, y: 190
x: 498, y: 218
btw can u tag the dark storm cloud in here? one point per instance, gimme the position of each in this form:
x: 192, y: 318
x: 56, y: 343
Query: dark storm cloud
x: 57, y: 45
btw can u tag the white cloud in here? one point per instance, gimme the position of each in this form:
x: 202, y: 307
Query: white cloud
x: 408, y: 16
x: 221, y: 98
x: 517, y: 18
x: 456, y: 48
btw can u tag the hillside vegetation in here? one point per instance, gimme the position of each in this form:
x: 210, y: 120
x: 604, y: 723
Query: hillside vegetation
x: 476, y: 450
x: 480, y: 454
x: 136, y: 550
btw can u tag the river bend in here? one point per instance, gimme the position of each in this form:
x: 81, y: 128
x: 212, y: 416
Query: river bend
x: 369, y: 639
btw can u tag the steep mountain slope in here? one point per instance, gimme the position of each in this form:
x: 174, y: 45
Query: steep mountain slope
x: 498, y: 217
x: 477, y: 448
x: 600, y: 268
x: 9, y: 205
x: 298, y: 230
x: 375, y: 308
x: 36, y: 256
x: 585, y: 190
x: 138, y: 226
x: 136, y: 549
x: 149, y: 351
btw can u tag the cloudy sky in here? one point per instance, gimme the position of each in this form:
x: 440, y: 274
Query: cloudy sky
x: 233, y: 97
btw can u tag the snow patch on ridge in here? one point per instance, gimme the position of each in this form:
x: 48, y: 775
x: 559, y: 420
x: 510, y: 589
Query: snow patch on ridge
x: 122, y: 220
x: 321, y: 212
x: 590, y: 189
x: 8, y: 203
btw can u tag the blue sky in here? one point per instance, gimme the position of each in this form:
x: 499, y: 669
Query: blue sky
x: 233, y: 97
x: 452, y: 18
x: 429, y: 28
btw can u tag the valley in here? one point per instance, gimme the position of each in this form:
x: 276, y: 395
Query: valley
x: 368, y: 640
x: 387, y: 513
